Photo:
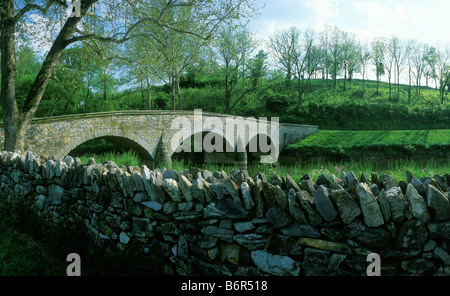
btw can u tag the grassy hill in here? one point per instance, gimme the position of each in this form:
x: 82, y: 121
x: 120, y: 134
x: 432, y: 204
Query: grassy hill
x: 398, y: 143
x: 359, y: 107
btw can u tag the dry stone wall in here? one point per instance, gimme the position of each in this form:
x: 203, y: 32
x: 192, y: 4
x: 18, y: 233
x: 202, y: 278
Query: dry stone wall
x: 217, y: 223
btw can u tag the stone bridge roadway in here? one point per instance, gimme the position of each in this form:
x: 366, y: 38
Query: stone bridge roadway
x: 152, y: 133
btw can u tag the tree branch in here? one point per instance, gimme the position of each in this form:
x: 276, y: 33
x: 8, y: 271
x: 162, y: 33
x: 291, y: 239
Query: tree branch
x: 31, y: 6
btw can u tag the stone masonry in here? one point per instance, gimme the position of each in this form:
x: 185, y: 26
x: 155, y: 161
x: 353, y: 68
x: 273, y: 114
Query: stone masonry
x: 197, y: 222
x: 148, y: 132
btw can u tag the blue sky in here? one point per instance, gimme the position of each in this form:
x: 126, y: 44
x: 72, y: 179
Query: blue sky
x: 428, y: 21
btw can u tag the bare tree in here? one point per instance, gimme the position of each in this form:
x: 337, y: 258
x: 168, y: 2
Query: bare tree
x: 418, y: 59
x: 335, y: 51
x: 350, y: 59
x: 400, y: 50
x: 443, y: 71
x: 233, y: 45
x: 390, y: 59
x: 378, y: 56
x: 363, y: 53
x: 283, y: 47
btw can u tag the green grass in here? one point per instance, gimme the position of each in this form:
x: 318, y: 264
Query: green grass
x: 23, y: 255
x: 384, y: 143
x: 297, y: 169
x: 395, y: 168
x: 128, y: 158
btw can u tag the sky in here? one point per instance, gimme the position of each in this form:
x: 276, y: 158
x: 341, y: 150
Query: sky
x: 425, y: 20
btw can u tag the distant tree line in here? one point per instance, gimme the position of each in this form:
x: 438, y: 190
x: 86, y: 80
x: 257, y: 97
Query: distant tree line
x: 333, y: 53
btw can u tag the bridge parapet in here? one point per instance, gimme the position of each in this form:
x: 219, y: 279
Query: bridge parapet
x: 153, y: 133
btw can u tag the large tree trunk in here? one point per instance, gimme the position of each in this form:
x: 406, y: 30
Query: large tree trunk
x: 174, y: 107
x: 12, y: 120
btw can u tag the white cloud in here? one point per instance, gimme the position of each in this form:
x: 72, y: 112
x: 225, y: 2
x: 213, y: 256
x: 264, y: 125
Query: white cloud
x: 324, y: 11
x: 426, y: 21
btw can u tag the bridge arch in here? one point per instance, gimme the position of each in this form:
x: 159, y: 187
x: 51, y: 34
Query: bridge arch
x: 205, y: 137
x: 118, y: 137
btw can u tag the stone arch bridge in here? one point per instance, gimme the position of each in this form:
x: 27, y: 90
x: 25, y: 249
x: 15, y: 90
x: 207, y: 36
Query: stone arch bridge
x: 152, y: 134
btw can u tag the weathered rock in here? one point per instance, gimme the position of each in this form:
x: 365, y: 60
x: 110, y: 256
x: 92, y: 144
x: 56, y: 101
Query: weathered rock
x: 322, y: 180
x: 352, y: 181
x: 387, y: 182
x: 337, y: 181
x: 222, y: 234
x: 376, y: 180
x: 291, y: 184
x: 19, y: 190
x: 170, y: 174
x: 348, y: 208
x: 409, y: 176
x: 269, y: 199
x: 439, y: 229
x: 439, y: 202
x: 247, y: 195
x: 141, y: 227
x: 185, y: 187
x: 297, y: 230
x: 124, y: 238
x: 324, y: 205
x: 419, y: 186
x: 219, y: 189
x: 369, y: 206
x: 154, y: 205
x: 384, y: 205
x: 197, y: 189
x: 172, y: 189
x: 324, y: 245
x: 230, y: 253
x: 442, y: 182
x: 354, y: 229
x: 363, y: 179
x: 316, y: 262
x: 55, y: 194
x: 225, y: 209
x: 275, y: 180
x: 374, y: 238
x: 280, y: 197
x: 429, y: 245
x: 278, y: 217
x: 243, y: 226
x: 419, y: 266
x: 153, y: 184
x: 442, y: 255
x: 416, y: 204
x: 259, y: 202
x: 282, y: 245
x: 251, y: 241
x: 375, y: 190
x: 294, y: 208
x: 307, y: 203
x: 233, y: 189
x: 308, y: 185
x: 275, y: 264
x: 397, y: 203
x: 413, y: 234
